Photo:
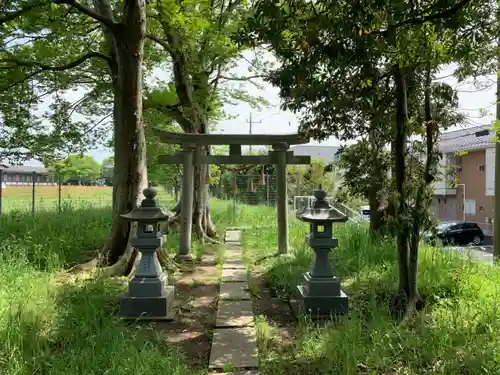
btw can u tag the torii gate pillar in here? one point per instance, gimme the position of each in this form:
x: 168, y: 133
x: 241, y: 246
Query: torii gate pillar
x: 282, y: 196
x: 186, y: 225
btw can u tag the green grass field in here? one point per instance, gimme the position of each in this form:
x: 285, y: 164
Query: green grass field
x: 20, y: 198
x: 54, y: 324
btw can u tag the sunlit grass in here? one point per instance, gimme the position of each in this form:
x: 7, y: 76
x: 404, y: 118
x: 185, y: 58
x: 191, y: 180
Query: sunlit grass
x: 46, y: 198
x: 458, y: 332
x: 53, y: 324
x: 57, y: 325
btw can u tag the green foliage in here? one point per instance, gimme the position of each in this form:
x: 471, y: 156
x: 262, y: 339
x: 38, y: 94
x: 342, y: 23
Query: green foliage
x: 50, y: 51
x: 46, y: 54
x: 457, y: 331
x: 196, y: 36
x: 107, y: 167
x: 307, y: 178
x: 359, y: 162
x: 77, y: 167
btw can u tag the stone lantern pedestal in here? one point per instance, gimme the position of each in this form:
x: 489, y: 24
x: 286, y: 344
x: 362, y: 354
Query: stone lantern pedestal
x: 320, y: 295
x: 149, y: 296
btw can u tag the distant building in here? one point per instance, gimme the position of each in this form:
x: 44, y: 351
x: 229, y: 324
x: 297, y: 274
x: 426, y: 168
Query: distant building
x: 328, y: 154
x: 18, y: 175
x: 471, y: 154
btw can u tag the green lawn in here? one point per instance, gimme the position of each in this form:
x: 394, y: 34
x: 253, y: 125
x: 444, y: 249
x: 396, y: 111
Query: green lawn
x: 20, y: 198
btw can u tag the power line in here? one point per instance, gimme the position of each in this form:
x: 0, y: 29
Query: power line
x: 251, y: 122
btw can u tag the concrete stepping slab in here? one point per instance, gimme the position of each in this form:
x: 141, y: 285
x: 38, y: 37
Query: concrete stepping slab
x: 235, y: 276
x: 234, y: 346
x: 234, y: 264
x: 233, y: 236
x: 234, y: 291
x: 234, y: 314
x: 233, y: 246
x: 233, y: 254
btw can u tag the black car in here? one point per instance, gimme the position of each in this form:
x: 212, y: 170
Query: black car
x: 457, y: 233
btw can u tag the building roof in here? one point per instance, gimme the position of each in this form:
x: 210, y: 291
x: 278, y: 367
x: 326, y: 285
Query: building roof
x: 477, y: 137
x: 23, y: 169
x: 326, y: 153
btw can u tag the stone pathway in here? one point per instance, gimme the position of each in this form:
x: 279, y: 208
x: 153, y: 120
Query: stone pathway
x: 234, y: 344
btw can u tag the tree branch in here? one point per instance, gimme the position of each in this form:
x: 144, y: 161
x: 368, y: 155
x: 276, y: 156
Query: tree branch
x: 162, y: 43
x: 60, y: 68
x: 10, y: 16
x: 249, y: 79
x: 234, y: 78
x: 448, y: 12
x: 175, y: 111
x: 89, y: 12
x: 432, y: 17
x: 43, y: 67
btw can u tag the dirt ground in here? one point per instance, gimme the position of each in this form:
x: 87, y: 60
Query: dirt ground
x: 197, y: 288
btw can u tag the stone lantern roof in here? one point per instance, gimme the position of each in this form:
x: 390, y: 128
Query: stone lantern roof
x: 322, y: 212
x: 149, y: 211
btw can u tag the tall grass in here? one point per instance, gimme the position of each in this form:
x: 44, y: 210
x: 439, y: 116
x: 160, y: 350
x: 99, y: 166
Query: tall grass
x: 53, y: 324
x: 19, y: 198
x: 458, y: 331
x: 58, y: 325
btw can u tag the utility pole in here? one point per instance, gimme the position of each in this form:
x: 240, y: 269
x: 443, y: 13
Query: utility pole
x: 250, y: 123
x: 496, y: 224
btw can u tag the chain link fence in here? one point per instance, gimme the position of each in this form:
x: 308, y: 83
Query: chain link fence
x: 45, y: 192
x: 260, y: 189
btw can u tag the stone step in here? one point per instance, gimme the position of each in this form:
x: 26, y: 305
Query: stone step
x: 234, y: 276
x: 233, y: 236
x: 234, y: 264
x: 233, y: 255
x: 234, y: 291
x: 233, y: 246
x: 236, y: 347
x: 234, y: 314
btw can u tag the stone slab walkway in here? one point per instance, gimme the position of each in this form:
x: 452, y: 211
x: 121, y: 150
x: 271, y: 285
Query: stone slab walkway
x: 234, y: 343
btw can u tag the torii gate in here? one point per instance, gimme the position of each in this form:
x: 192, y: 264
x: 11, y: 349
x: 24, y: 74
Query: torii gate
x: 280, y: 156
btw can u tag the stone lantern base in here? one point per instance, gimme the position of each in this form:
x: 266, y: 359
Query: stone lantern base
x: 321, y: 297
x: 148, y: 299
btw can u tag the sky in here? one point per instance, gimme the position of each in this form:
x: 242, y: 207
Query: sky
x: 476, y: 101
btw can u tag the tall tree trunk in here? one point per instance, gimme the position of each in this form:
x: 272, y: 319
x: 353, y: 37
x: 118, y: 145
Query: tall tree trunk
x: 422, y: 201
x: 130, y: 143
x: 376, y: 185
x: 202, y: 220
x: 130, y: 173
x: 376, y: 223
x: 400, y: 140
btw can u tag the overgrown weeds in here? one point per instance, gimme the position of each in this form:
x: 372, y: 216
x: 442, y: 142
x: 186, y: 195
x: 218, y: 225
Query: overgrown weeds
x: 58, y: 325
x: 457, y: 332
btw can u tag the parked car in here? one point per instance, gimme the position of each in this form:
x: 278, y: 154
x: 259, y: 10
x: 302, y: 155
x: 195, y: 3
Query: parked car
x: 364, y: 212
x: 456, y: 233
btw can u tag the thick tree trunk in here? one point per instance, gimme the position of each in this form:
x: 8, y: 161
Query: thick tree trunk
x: 376, y: 223
x: 130, y: 143
x: 203, y: 225
x: 400, y: 174
x: 126, y: 44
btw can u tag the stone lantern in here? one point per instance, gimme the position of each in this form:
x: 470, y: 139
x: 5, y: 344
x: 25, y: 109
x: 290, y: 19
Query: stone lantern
x: 320, y: 295
x: 149, y: 295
